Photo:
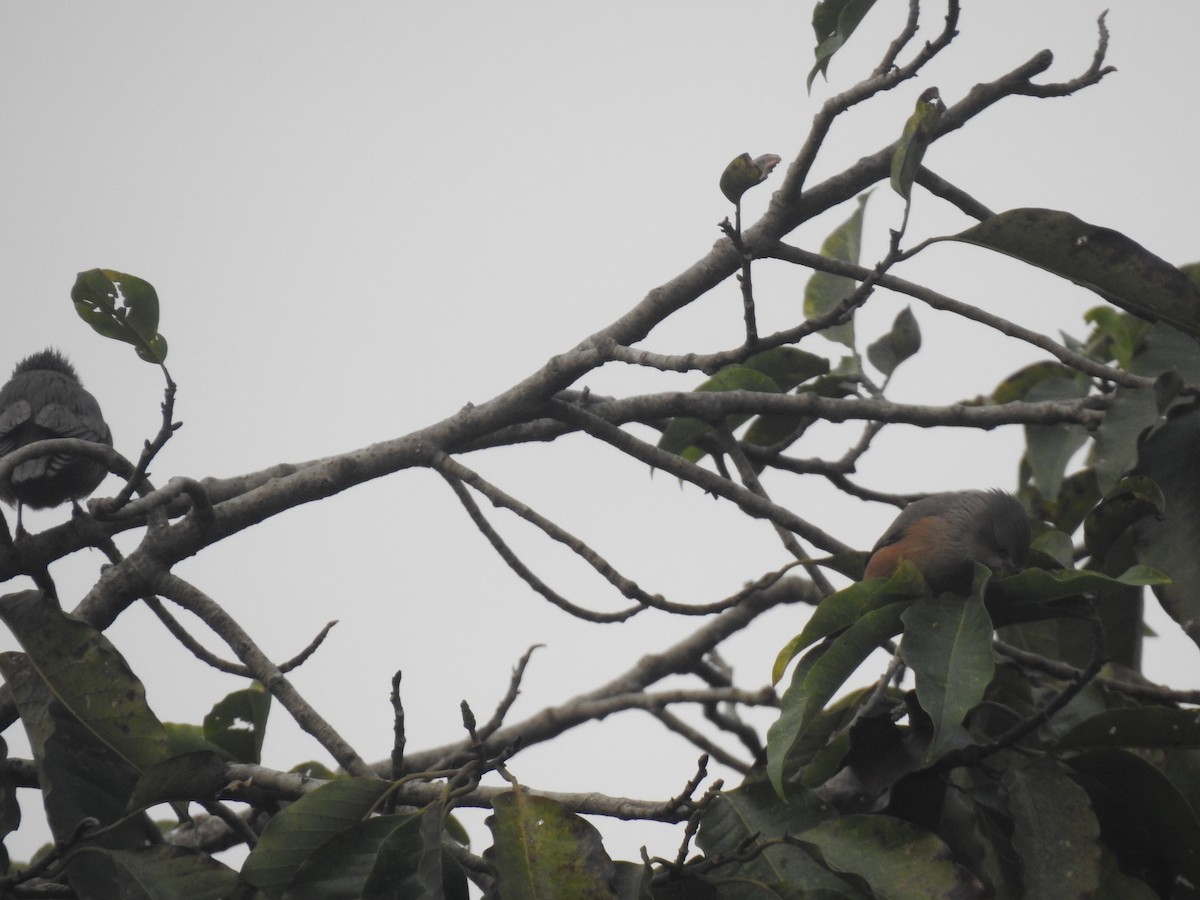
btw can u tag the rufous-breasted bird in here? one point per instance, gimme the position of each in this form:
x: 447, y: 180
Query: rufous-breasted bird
x: 45, y: 399
x: 944, y: 535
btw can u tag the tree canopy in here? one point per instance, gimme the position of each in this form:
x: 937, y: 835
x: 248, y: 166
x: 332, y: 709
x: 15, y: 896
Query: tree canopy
x: 890, y: 743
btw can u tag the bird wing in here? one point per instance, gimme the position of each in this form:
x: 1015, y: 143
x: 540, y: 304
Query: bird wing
x: 13, y: 417
x: 65, y: 422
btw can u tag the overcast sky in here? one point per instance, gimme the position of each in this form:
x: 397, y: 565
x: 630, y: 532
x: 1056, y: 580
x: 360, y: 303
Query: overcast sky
x: 361, y: 216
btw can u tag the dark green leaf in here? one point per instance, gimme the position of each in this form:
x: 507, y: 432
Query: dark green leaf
x: 743, y: 173
x: 192, y: 776
x: 372, y: 859
x: 1050, y: 447
x: 544, y: 852
x: 299, y: 830
x: 1144, y: 818
x: 1131, y: 410
x: 813, y: 685
x: 80, y: 776
x: 122, y: 307
x: 787, y: 366
x: 1129, y: 502
x: 845, y: 607
x: 1120, y: 270
x: 895, y: 858
x: 1055, y: 833
x: 918, y: 132
x: 1169, y: 542
x: 88, y: 676
x: 754, y: 809
x: 1148, y: 726
x: 238, y: 723
x: 948, y: 645
x: 833, y: 23
x: 167, y: 873
x: 682, y: 433
x: 825, y: 291
x: 893, y: 348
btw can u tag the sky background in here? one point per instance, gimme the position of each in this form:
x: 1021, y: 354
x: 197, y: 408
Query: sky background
x: 361, y: 217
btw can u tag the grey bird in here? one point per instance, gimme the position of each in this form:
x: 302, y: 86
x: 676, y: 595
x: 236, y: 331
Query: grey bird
x: 45, y: 399
x: 944, y: 535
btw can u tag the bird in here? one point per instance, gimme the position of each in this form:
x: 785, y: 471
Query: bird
x: 45, y: 399
x: 944, y: 535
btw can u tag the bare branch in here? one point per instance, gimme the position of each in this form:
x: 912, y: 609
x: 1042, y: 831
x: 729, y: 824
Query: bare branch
x: 210, y: 612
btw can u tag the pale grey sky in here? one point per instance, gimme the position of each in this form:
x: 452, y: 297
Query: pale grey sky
x: 360, y: 217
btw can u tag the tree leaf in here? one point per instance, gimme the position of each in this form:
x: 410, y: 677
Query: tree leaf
x: 1055, y: 833
x: 814, y: 684
x: 238, y: 723
x: 1131, y: 410
x: 163, y: 872
x: 895, y: 858
x: 948, y: 645
x: 1130, y: 501
x: 199, y: 775
x: 755, y: 810
x: 373, y: 859
x: 893, y: 348
x: 1147, y: 726
x: 1120, y: 270
x: 824, y: 291
x: 682, y: 433
x: 743, y: 173
x: 1049, y: 448
x: 1167, y: 455
x: 833, y: 23
x: 918, y: 132
x: 543, y: 852
x: 88, y: 676
x: 122, y: 307
x: 1144, y: 818
x: 295, y: 833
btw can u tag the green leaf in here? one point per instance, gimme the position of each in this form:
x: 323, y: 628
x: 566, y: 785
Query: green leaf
x: 166, y: 873
x: 1055, y: 833
x: 381, y: 857
x: 787, y: 366
x: 1018, y: 385
x: 238, y: 723
x: 754, y: 811
x: 1120, y: 270
x: 80, y: 776
x: 1129, y: 502
x: 682, y: 433
x: 918, y: 132
x: 893, y: 348
x: 825, y: 291
x: 895, y: 858
x: 948, y: 645
x: 1167, y: 455
x: 768, y: 430
x: 815, y: 682
x: 1116, y: 335
x: 1050, y: 447
x: 1147, y: 726
x: 843, y: 608
x: 88, y: 676
x: 199, y: 775
x: 833, y: 23
x: 1131, y: 410
x: 544, y: 852
x: 743, y: 173
x: 307, y: 824
x: 122, y: 307
x: 1143, y: 816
